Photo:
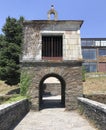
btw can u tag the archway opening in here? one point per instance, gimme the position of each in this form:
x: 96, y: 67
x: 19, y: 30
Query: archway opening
x: 52, y: 92
x: 52, y: 16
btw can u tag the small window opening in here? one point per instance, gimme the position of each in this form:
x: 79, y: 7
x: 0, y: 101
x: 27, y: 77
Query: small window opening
x: 52, y: 16
x: 52, y: 47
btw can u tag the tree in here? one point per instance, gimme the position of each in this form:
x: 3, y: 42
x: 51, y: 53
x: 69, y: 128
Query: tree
x: 13, y: 30
x: 10, y: 44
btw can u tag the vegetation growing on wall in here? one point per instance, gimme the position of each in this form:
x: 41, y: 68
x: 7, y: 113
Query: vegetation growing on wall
x: 25, y: 81
x: 83, y: 73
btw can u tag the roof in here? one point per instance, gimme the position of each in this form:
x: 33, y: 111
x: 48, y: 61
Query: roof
x: 93, y: 38
x: 78, y: 22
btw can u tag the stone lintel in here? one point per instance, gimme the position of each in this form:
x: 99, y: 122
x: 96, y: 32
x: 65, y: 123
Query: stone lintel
x: 72, y: 63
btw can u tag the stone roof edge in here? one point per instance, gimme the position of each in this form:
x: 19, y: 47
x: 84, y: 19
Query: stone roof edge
x: 26, y: 22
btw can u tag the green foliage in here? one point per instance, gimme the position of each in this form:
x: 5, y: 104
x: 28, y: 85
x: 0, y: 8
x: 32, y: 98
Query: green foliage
x: 24, y: 83
x: 10, y: 49
x: 13, y: 98
x: 83, y: 73
x: 80, y: 109
x: 13, y: 30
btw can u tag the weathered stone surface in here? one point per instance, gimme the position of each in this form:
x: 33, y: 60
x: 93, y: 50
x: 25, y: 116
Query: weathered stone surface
x: 94, y: 111
x: 68, y: 29
x: 11, y: 114
x: 51, y: 89
x: 69, y: 74
x: 67, y: 69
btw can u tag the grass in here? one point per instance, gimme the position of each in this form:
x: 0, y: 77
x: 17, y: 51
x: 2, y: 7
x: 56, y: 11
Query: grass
x: 4, y: 89
x: 94, y: 85
x: 11, y: 98
x: 14, y: 98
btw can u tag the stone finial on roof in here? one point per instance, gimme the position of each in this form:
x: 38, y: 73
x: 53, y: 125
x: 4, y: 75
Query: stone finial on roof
x: 54, y: 12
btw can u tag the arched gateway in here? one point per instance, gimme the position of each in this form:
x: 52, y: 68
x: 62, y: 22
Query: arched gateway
x: 62, y: 82
x: 53, y: 48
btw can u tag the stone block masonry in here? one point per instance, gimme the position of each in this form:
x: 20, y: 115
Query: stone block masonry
x: 34, y: 30
x: 11, y: 114
x: 59, y: 57
x: 94, y: 111
x: 52, y: 89
x: 68, y: 73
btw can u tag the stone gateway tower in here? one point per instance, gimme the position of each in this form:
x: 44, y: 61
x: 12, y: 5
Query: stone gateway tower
x: 52, y: 48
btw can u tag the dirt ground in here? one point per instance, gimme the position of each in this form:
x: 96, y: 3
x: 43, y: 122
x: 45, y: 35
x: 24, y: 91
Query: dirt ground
x: 95, y: 85
x: 4, y: 88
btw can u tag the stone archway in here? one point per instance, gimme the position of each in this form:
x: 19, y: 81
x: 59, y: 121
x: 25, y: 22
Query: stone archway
x: 63, y: 85
x: 68, y: 73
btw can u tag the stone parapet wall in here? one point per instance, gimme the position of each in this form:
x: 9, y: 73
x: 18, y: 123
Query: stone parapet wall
x: 11, y: 114
x: 94, y: 111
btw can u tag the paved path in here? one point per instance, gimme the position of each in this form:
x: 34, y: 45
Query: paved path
x: 54, y: 119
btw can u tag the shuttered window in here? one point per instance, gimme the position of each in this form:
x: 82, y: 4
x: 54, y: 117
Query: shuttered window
x: 52, y: 47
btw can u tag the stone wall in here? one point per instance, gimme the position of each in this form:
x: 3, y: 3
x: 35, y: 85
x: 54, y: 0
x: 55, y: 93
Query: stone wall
x: 67, y: 70
x: 34, y: 30
x: 68, y: 73
x: 52, y: 89
x: 94, y: 111
x: 11, y: 114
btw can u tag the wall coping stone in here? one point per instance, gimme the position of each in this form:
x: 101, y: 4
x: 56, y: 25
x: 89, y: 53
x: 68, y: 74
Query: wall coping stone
x: 92, y: 103
x: 7, y: 106
x: 65, y: 22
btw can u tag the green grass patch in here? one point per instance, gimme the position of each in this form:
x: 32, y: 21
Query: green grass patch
x: 14, y: 98
x: 25, y: 81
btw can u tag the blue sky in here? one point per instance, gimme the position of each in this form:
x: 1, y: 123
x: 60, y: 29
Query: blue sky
x: 93, y: 12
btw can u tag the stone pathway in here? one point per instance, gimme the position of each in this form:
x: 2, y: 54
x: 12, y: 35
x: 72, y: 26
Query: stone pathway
x: 54, y: 119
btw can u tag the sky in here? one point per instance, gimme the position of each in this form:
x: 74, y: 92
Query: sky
x: 93, y: 12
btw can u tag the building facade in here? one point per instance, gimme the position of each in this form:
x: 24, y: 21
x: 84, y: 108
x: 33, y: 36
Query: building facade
x: 94, y: 54
x: 52, y: 48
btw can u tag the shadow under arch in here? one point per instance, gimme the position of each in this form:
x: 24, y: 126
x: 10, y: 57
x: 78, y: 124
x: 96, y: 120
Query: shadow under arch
x: 63, y: 86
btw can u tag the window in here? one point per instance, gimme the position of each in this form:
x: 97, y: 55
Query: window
x: 52, y: 47
x: 83, y: 42
x: 87, y: 43
x: 89, y: 54
x: 103, y: 43
x: 102, y: 52
x: 90, y: 66
x: 102, y: 67
x: 97, y: 43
